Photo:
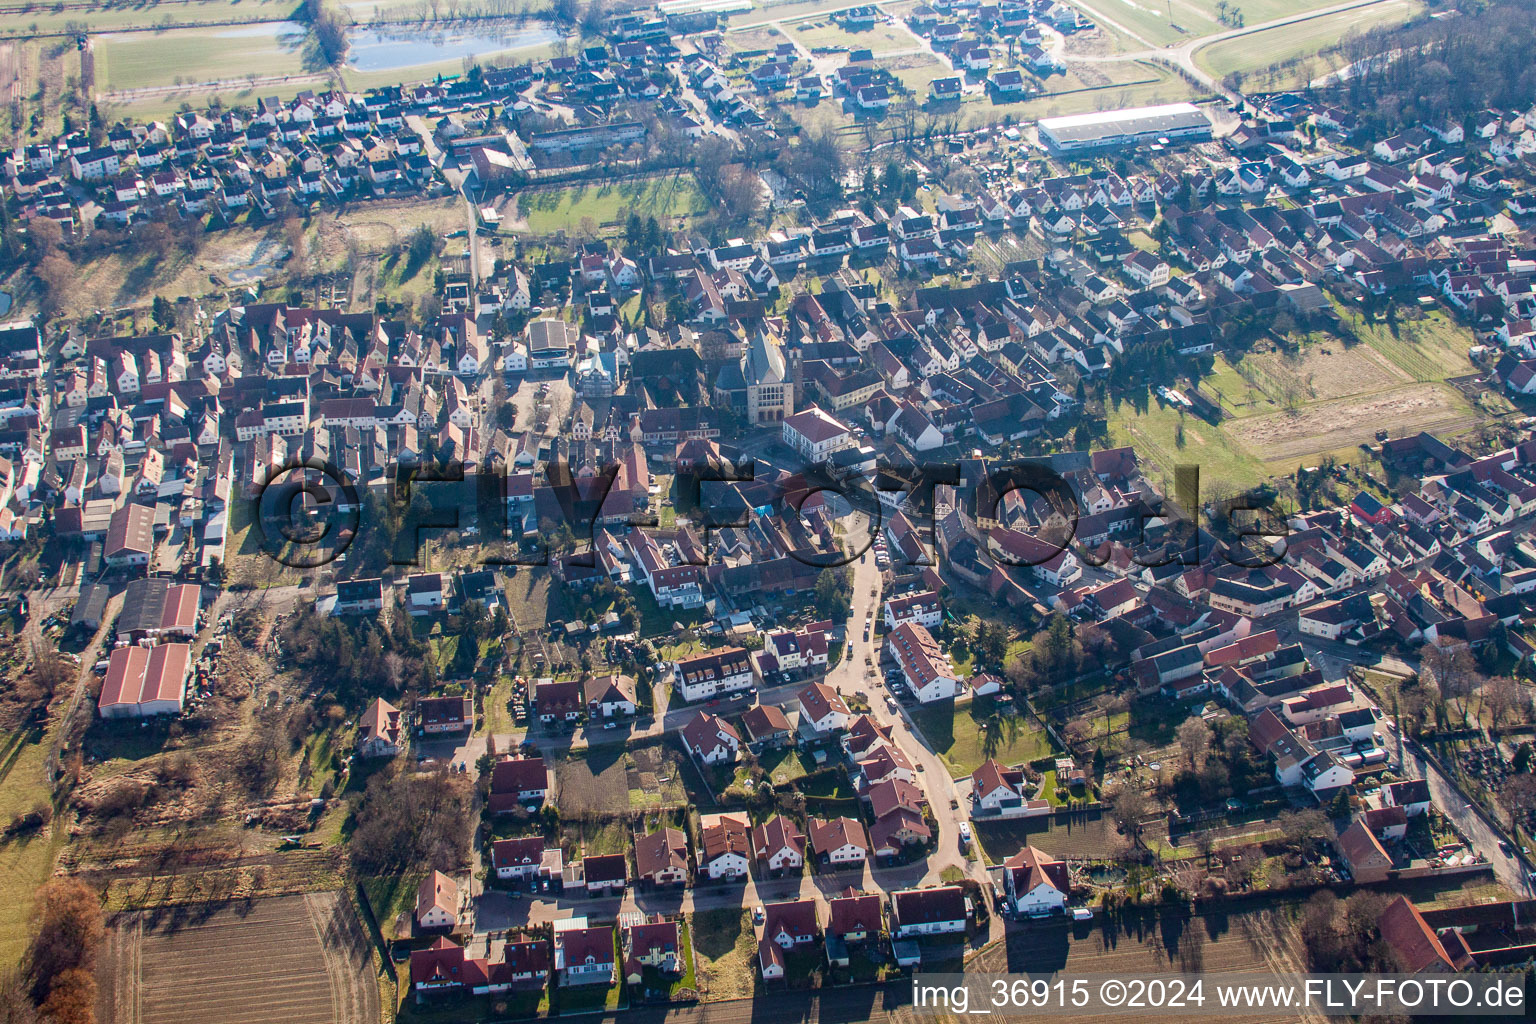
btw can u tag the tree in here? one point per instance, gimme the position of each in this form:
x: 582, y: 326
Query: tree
x: 72, y: 999
x: 991, y: 642
x: 1195, y: 740
x: 1303, y: 829
x: 163, y: 313
x: 1522, y: 762
x: 1128, y: 806
x: 1519, y: 797
x: 1500, y: 696
x: 68, y: 933
x: 834, y: 594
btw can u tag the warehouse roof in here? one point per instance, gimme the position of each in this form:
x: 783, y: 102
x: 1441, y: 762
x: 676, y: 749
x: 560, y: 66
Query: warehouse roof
x: 1106, y: 124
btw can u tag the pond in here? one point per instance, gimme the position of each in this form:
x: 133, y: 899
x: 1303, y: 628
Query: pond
x: 392, y: 48
x: 1105, y: 874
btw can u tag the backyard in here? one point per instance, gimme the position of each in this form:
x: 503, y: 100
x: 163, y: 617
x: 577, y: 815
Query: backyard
x: 956, y: 735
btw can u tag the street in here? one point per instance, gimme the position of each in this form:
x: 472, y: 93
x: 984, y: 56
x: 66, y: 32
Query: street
x: 858, y: 671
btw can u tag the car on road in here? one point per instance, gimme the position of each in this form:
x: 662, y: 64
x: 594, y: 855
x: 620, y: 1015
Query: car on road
x: 757, y: 915
x: 965, y: 832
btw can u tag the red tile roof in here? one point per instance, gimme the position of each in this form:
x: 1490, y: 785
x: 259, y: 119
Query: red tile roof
x: 827, y: 836
x: 854, y: 914
x: 1416, y: 944
x: 1030, y: 867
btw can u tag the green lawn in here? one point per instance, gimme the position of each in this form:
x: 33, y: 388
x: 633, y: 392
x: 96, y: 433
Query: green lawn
x: 783, y: 765
x: 26, y: 861
x: 1154, y: 433
x: 135, y: 60
x: 1427, y: 349
x: 955, y: 734
x: 917, y: 72
x: 653, y: 980
x: 1239, y: 395
x: 498, y: 717
x: 672, y: 198
x: 389, y: 896
x: 1299, y: 42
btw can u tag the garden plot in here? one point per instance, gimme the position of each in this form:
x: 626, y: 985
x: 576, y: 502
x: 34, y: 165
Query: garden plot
x: 609, y: 780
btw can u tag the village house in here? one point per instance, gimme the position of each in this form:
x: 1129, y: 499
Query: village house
x: 778, y: 846
x: 437, y: 903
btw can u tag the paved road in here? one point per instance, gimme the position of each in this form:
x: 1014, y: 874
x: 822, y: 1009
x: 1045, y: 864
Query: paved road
x: 497, y: 910
x: 858, y: 671
x: 1448, y: 799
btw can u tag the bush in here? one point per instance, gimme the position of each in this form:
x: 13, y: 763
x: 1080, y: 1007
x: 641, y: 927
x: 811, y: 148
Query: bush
x: 30, y: 821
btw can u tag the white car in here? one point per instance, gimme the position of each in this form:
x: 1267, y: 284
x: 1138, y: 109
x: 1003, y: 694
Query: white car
x: 965, y: 831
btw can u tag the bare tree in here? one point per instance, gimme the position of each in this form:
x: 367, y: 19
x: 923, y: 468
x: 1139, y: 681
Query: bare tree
x: 1128, y: 807
x: 1500, y: 696
x: 1195, y: 740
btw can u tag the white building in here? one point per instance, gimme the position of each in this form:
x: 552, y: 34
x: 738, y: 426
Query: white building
x: 1036, y: 884
x: 924, y: 666
x: 815, y: 435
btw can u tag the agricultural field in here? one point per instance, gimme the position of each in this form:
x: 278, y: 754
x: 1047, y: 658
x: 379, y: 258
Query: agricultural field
x: 62, y: 17
x: 138, y: 60
x: 1291, y: 55
x: 1285, y: 409
x: 295, y: 959
x: 1427, y: 348
x: 673, y: 199
x: 1258, y: 941
x: 1288, y: 439
x: 1191, y: 19
x: 955, y: 734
